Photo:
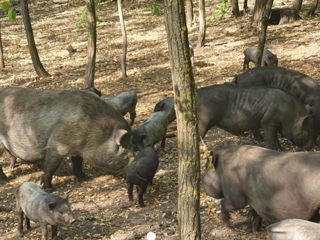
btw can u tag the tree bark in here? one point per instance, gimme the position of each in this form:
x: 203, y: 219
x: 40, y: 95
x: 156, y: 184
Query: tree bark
x: 189, y: 12
x: 313, y: 9
x: 187, y: 121
x: 297, y: 4
x: 202, y: 23
x: 31, y: 43
x: 2, y: 65
x: 263, y: 31
x: 245, y: 5
x: 258, y: 10
x: 235, y: 8
x: 124, y: 42
x: 92, y: 44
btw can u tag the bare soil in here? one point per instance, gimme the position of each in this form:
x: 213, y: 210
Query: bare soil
x: 100, y: 203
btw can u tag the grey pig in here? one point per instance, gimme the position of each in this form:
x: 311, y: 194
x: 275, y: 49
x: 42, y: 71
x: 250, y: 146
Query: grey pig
x: 151, y: 132
x: 141, y: 171
x: 277, y: 185
x: 39, y: 206
x: 250, y: 55
x: 125, y: 102
x: 304, y: 88
x: 294, y: 229
x: 51, y: 125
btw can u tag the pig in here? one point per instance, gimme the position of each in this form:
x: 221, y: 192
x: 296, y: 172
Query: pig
x: 167, y: 105
x: 302, y: 87
x: 294, y: 229
x: 250, y: 55
x: 92, y: 90
x: 125, y: 102
x: 52, y: 125
x: 240, y: 109
x: 141, y: 171
x: 3, y: 177
x: 151, y: 132
x: 277, y: 185
x: 39, y: 206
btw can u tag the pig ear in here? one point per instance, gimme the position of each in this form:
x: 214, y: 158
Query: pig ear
x: 118, y: 135
x: 305, y: 121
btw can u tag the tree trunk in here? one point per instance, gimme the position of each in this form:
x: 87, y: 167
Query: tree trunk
x: 187, y: 121
x: 258, y: 10
x: 235, y: 8
x: 31, y: 43
x: 2, y: 65
x: 313, y: 10
x: 245, y: 5
x: 263, y: 31
x: 124, y: 42
x: 202, y: 23
x: 92, y: 44
x: 297, y: 4
x: 189, y: 12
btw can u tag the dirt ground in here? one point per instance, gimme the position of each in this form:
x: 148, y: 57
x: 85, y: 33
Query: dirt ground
x: 100, y: 204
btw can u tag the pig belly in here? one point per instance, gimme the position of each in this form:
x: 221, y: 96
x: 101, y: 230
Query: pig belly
x: 238, y: 123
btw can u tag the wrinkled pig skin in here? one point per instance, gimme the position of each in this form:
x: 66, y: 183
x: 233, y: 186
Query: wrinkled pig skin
x: 51, y: 125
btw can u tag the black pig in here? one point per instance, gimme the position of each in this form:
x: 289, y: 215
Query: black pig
x: 141, y: 171
x: 124, y: 103
x: 39, y: 206
x: 277, y: 185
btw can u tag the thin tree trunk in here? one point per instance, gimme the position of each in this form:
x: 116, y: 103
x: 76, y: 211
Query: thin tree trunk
x: 235, y: 8
x: 263, y: 31
x: 92, y: 44
x: 245, y: 5
x: 189, y: 12
x: 31, y: 43
x: 124, y: 42
x: 313, y: 10
x: 187, y: 121
x: 202, y: 23
x: 297, y: 4
x: 258, y: 10
x: 2, y: 65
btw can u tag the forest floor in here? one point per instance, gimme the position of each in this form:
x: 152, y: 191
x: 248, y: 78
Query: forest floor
x: 100, y: 204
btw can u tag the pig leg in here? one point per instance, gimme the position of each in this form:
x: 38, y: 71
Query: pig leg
x: 3, y: 177
x: 54, y: 231
x: 130, y: 191
x: 13, y: 162
x: 132, y: 116
x: 77, y: 167
x: 44, y: 231
x: 51, y: 163
x: 163, y: 141
x: 28, y: 223
x: 141, y: 190
x: 245, y: 63
x: 20, y: 221
x: 228, y: 205
x: 270, y: 137
x: 255, y: 220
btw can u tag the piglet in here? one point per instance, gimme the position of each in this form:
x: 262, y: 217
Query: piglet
x: 141, y: 171
x: 39, y: 206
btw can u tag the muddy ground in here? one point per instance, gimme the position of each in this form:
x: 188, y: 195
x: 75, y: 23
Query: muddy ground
x: 100, y: 203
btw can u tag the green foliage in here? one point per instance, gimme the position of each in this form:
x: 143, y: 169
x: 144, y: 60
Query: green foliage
x: 155, y: 9
x: 82, y: 22
x: 7, y: 6
x: 222, y: 10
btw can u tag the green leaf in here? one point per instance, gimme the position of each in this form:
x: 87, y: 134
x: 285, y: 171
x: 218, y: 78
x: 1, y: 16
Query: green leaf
x: 12, y: 14
x: 5, y: 5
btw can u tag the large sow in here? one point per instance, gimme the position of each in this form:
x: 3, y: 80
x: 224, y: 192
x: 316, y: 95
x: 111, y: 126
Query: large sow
x: 299, y: 85
x: 277, y: 185
x: 51, y: 125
